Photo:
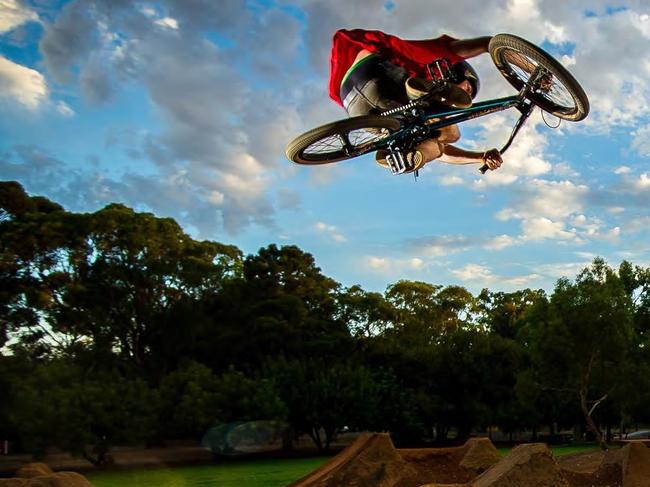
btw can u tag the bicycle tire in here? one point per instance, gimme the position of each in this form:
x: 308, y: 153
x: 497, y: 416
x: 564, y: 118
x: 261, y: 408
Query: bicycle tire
x: 361, y: 133
x: 566, y: 98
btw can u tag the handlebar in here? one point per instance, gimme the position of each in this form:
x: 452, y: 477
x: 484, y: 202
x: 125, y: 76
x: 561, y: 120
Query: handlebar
x: 526, y: 110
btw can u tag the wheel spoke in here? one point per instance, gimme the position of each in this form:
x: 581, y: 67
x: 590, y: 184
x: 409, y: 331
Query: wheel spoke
x: 346, y: 142
x: 522, y: 67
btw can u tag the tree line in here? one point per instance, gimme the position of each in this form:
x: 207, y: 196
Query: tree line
x: 116, y: 327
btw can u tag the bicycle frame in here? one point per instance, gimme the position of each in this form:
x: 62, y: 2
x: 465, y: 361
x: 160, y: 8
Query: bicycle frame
x: 424, y: 125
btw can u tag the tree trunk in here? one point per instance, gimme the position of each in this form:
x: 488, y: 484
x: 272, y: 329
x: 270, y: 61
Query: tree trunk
x: 464, y: 432
x: 589, y: 420
x: 287, y: 438
x: 315, y: 435
x: 329, y: 436
x: 584, y: 388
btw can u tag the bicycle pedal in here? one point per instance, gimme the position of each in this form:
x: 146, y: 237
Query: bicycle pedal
x: 397, y: 163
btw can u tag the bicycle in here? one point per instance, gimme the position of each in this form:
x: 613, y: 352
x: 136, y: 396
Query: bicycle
x: 540, y: 80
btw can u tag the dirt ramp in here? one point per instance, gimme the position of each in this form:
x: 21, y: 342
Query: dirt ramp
x: 454, y: 465
x: 636, y: 465
x: 371, y: 461
x: 33, y: 470
x: 525, y: 466
x: 480, y: 455
x: 40, y: 475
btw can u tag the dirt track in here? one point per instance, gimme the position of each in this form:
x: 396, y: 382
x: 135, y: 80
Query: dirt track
x: 373, y: 461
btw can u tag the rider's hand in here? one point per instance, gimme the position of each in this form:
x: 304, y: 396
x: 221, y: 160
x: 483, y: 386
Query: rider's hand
x: 492, y: 158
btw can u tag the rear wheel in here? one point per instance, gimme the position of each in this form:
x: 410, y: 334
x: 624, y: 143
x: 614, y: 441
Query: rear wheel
x: 342, y: 139
x: 558, y: 93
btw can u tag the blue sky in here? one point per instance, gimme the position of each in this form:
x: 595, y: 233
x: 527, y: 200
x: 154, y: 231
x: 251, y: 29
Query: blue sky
x: 183, y: 108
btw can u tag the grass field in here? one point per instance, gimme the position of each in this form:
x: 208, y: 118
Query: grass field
x: 255, y: 473
x: 559, y: 451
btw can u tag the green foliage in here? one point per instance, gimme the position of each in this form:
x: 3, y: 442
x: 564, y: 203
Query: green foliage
x: 324, y: 397
x: 193, y: 398
x: 85, y: 414
x: 119, y: 317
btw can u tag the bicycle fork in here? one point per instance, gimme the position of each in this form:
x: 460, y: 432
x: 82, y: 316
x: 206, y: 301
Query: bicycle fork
x: 525, y: 107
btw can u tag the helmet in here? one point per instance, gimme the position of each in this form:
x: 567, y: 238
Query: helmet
x: 462, y: 71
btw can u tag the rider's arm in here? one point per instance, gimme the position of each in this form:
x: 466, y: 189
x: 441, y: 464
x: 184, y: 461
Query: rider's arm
x: 470, y: 47
x: 455, y: 155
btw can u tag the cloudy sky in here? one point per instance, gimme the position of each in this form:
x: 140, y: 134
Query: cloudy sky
x: 183, y: 108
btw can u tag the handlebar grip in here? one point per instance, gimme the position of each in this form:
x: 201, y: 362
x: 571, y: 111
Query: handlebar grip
x: 484, y: 168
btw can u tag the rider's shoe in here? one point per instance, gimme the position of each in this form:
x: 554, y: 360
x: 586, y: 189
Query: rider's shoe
x: 447, y: 94
x: 414, y: 157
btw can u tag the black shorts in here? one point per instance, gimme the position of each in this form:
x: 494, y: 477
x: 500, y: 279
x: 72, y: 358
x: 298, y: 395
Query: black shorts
x: 375, y: 85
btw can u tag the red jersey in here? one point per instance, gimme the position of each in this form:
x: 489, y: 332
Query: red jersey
x: 411, y: 55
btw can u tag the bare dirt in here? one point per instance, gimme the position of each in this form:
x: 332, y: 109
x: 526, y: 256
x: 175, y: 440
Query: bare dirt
x: 373, y: 461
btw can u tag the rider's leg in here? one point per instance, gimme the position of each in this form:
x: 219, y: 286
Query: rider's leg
x: 449, y: 134
x: 447, y: 94
x: 428, y: 151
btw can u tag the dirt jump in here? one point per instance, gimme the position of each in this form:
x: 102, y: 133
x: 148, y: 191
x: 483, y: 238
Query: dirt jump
x: 373, y: 461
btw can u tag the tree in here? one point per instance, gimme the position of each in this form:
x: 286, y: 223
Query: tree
x: 59, y: 404
x: 282, y: 306
x: 580, y: 340
x: 502, y: 313
x: 322, y: 398
x: 108, y: 286
x: 192, y: 399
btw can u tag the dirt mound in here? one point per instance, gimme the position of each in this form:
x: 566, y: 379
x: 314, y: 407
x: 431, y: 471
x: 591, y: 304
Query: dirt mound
x: 524, y: 466
x: 33, y: 470
x: 455, y: 465
x: 636, y: 465
x: 372, y: 460
x: 627, y: 467
x: 480, y: 456
x: 40, y: 475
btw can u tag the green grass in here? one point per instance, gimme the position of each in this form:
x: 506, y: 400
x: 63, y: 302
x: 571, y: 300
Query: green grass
x: 254, y: 473
x: 559, y: 451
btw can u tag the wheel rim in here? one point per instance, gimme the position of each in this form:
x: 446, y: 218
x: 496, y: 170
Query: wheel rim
x: 558, y: 95
x: 345, y: 142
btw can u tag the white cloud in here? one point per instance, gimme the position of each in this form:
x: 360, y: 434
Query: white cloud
x: 14, y: 14
x: 395, y: 268
x: 451, y: 180
x: 64, y: 109
x: 331, y: 231
x: 525, y: 158
x: 642, y: 183
x: 499, y: 243
x: 622, y: 170
x: 377, y: 263
x: 536, y: 229
x: 216, y: 198
x: 548, y: 199
x: 565, y: 170
x: 641, y: 141
x: 638, y: 224
x: 168, y: 22
x: 26, y: 86
x: 439, y: 246
x: 483, y: 275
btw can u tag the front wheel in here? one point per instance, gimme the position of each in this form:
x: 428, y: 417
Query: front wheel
x: 342, y: 139
x: 558, y: 92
